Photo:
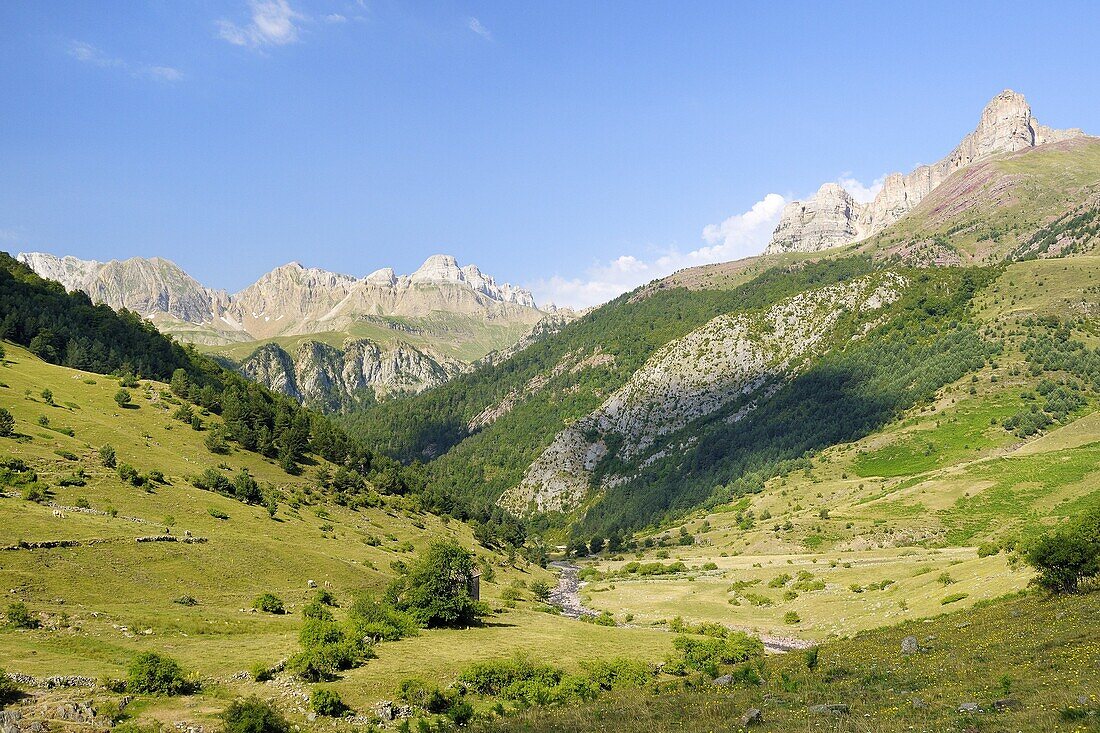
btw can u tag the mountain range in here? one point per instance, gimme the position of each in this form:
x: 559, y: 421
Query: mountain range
x: 831, y: 217
x: 715, y: 381
x: 319, y: 336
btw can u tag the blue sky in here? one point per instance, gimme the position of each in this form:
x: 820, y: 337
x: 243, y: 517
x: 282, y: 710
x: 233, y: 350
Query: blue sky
x: 576, y: 148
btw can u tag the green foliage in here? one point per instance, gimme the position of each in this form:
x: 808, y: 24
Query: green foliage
x: 541, y: 590
x: 7, y: 423
x: 435, y: 588
x: 253, y: 715
x: 327, y: 702
x: 380, y: 621
x: 20, y: 617
x: 123, y: 398
x: 328, y: 648
x: 107, y: 456
x: 924, y: 342
x: 710, y: 653
x: 154, y: 674
x: 9, y: 690
x: 269, y: 603
x: 1069, y: 555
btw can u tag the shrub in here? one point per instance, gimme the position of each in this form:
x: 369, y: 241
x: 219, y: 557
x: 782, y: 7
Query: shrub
x: 541, y: 590
x: 123, y: 398
x: 611, y: 674
x: 9, y: 690
x: 261, y: 672
x: 269, y: 603
x: 253, y: 715
x: 380, y: 621
x: 603, y: 619
x: 47, y: 396
x: 185, y: 600
x: 327, y: 702
x: 706, y: 653
x: 20, y: 617
x: 952, y: 598
x: 7, y: 423
x: 151, y: 673
x: 327, y: 648
x: 810, y: 656
x: 435, y: 588
x: 107, y: 456
x: 791, y: 618
x: 215, y: 442
x: 217, y: 513
x: 501, y: 677
x: 1069, y: 555
x: 130, y: 475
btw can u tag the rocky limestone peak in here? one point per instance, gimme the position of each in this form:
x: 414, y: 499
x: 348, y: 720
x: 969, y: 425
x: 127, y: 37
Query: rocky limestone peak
x: 70, y: 271
x: 827, y: 219
x: 383, y: 276
x: 824, y: 220
x: 438, y: 269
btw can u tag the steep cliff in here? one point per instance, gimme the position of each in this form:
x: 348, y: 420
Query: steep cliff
x: 332, y: 379
x: 832, y: 218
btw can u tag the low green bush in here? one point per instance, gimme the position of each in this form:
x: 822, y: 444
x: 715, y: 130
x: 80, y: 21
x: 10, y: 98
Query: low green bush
x: 327, y: 702
x: 20, y: 617
x: 269, y: 603
x: 153, y: 674
x: 253, y: 715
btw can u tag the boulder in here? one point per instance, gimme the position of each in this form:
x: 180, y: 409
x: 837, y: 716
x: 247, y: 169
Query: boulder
x: 910, y: 645
x: 969, y: 707
x: 724, y: 681
x: 1007, y: 703
x: 752, y: 716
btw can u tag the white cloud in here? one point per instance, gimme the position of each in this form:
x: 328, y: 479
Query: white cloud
x: 272, y: 23
x: 86, y: 53
x: 335, y: 18
x: 862, y: 193
x: 738, y: 236
x: 475, y: 25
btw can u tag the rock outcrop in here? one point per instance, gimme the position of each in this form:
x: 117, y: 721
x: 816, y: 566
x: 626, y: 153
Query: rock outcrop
x: 149, y: 287
x: 831, y: 218
x: 730, y: 362
x: 331, y: 378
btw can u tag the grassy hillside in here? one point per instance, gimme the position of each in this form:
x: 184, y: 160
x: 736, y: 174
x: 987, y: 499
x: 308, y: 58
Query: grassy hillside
x: 108, y: 597
x: 1025, y: 664
x: 1041, y: 202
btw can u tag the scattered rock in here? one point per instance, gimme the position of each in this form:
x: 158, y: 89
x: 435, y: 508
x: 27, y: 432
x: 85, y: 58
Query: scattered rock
x: 74, y: 712
x: 311, y: 583
x: 969, y: 707
x: 910, y: 645
x: 919, y: 703
x: 724, y: 680
x: 1008, y: 703
x: 9, y: 721
x: 752, y: 716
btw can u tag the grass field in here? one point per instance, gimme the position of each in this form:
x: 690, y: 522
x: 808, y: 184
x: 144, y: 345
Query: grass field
x: 1037, y: 656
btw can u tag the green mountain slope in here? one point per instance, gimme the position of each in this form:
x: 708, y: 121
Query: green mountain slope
x: 560, y: 419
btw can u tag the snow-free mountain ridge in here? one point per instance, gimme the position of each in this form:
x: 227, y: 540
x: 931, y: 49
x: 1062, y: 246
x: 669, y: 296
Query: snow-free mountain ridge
x: 831, y: 217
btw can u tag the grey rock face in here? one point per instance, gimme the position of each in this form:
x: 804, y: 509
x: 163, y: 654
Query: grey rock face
x: 830, y: 218
x: 289, y: 300
x: 329, y: 377
x: 910, y: 645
